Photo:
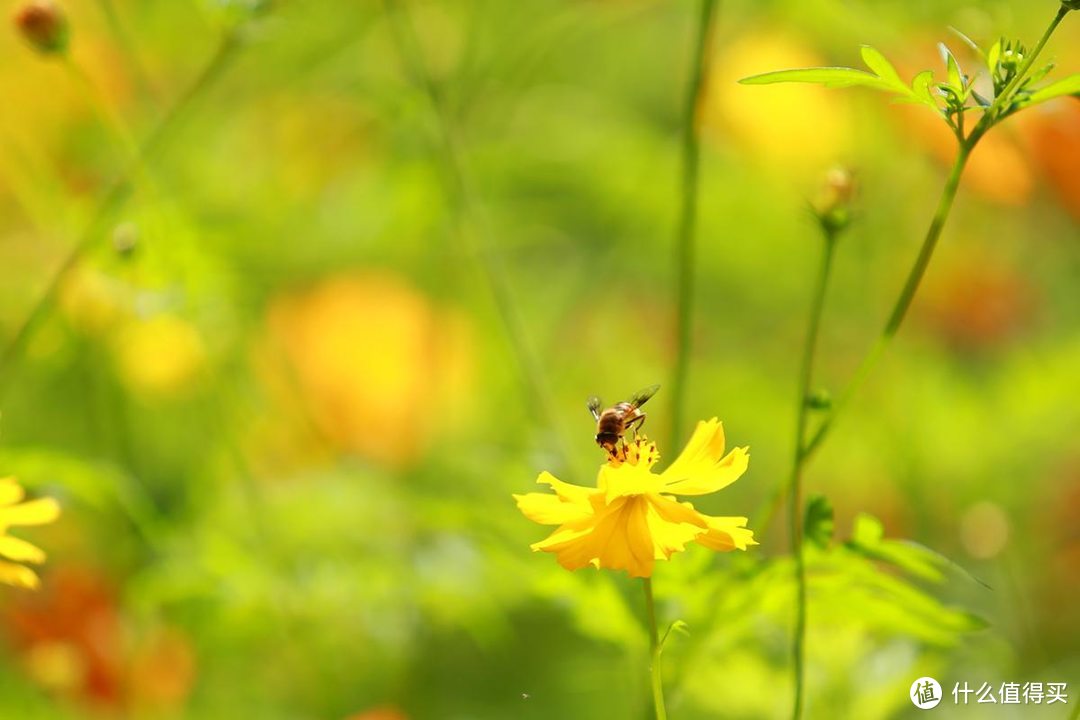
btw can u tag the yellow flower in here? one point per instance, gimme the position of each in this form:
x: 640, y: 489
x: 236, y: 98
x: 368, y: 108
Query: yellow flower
x: 630, y: 519
x: 15, y: 512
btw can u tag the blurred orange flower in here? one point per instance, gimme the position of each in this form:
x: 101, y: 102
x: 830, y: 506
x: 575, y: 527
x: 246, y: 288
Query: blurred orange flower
x: 375, y: 364
x: 75, y: 642
x: 1051, y: 133
x: 14, y: 512
x: 631, y: 519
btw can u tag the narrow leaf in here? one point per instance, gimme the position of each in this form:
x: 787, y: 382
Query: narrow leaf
x: 827, y: 76
x: 956, y: 79
x: 883, y: 68
x: 1065, y: 86
x: 992, y: 57
x: 678, y: 626
x: 969, y: 42
x: 1039, y: 74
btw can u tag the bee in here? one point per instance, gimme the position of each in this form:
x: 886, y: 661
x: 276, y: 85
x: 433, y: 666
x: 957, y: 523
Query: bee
x: 612, y: 423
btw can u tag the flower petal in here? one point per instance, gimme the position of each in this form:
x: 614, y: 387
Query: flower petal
x: 20, y: 551
x: 672, y: 525
x: 617, y: 538
x: 17, y: 575
x: 704, y: 474
x: 726, y: 533
x: 548, y: 509
x: 627, y: 479
x: 11, y: 491
x: 35, y: 512
x: 566, y: 491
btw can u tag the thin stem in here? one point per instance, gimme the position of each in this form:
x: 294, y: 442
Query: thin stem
x: 684, y: 235
x: 110, y: 203
x: 654, y: 652
x: 806, y: 375
x: 896, y: 318
x: 106, y: 113
x: 475, y: 244
x: 903, y: 302
x: 123, y: 39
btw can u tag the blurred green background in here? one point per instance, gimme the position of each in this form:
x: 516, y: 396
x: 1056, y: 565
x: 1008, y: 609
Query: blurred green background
x: 279, y: 404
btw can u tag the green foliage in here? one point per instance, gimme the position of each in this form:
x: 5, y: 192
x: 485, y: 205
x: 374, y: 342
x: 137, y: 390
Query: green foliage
x: 1004, y: 62
x: 819, y: 524
x: 883, y: 76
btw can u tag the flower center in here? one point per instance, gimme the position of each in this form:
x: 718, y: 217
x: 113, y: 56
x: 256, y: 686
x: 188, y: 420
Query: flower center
x: 639, y: 451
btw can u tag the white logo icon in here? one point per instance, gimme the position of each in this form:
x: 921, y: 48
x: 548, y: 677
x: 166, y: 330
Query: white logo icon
x: 925, y: 693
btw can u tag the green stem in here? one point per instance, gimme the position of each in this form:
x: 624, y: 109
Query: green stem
x: 806, y: 375
x: 475, y: 245
x: 123, y: 39
x: 684, y: 236
x: 896, y: 319
x: 654, y: 653
x: 903, y: 302
x: 109, y: 204
x: 105, y: 112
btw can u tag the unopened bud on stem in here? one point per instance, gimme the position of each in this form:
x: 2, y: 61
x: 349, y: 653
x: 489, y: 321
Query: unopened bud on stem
x: 44, y: 25
x: 833, y: 202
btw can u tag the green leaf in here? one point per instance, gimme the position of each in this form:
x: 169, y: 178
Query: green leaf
x: 992, y: 57
x: 920, y: 88
x: 867, y: 530
x: 969, y: 42
x: 867, y: 539
x: 1039, y: 74
x: 827, y: 76
x: 1065, y: 86
x: 819, y: 523
x: 956, y: 78
x: 678, y: 627
x: 883, y: 68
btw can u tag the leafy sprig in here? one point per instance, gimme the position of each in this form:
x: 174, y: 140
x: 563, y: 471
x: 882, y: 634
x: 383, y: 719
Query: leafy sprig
x: 1005, y: 62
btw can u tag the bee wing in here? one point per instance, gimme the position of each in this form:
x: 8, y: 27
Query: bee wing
x: 642, y: 396
x: 594, y: 406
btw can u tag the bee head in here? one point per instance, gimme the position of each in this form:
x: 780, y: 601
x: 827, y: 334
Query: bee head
x: 607, y: 440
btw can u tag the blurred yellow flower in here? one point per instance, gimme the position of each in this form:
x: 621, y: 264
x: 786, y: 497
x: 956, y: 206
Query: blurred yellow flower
x: 631, y: 519
x: 797, y: 128
x: 14, y: 512
x: 159, y: 356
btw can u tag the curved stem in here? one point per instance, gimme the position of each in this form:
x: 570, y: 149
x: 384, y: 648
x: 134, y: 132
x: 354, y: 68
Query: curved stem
x: 654, y: 653
x: 896, y: 318
x: 795, y: 488
x: 112, y: 200
x: 684, y: 235
x: 903, y: 302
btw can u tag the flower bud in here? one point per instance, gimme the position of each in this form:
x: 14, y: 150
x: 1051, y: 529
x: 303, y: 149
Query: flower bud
x: 43, y: 24
x: 819, y: 399
x: 832, y: 206
x: 1071, y: 4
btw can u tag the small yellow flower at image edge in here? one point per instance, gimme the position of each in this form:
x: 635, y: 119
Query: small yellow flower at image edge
x: 631, y: 519
x: 13, y: 551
